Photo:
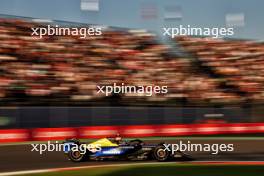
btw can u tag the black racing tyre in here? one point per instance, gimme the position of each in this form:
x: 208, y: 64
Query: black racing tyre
x: 161, y: 154
x: 77, y: 156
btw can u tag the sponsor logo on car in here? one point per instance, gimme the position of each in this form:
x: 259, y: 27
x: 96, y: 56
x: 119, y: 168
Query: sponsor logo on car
x: 112, y: 151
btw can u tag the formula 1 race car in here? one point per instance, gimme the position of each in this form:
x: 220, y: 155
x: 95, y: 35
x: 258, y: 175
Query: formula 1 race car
x: 106, y: 149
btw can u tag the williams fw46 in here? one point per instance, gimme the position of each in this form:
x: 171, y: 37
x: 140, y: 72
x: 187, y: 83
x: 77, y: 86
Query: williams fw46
x: 108, y: 149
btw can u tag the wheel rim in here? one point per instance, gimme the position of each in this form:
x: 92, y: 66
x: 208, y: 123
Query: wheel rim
x: 161, y: 153
x: 76, y: 154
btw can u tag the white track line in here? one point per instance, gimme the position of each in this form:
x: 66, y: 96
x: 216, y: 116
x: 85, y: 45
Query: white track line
x: 115, y: 165
x: 71, y: 168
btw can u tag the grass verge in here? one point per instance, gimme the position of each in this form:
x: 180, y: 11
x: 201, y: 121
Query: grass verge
x: 167, y: 169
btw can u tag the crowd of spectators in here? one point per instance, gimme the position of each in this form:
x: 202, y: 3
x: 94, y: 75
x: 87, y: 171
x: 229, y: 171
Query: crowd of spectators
x: 240, y: 63
x: 65, y: 70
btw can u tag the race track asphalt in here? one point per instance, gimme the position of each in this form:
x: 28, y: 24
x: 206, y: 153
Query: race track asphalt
x: 20, y: 157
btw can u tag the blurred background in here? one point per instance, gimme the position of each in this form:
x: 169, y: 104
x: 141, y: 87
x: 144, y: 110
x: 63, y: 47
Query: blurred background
x: 48, y: 86
x: 51, y: 82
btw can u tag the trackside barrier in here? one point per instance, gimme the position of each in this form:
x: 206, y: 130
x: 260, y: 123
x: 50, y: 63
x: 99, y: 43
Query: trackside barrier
x: 44, y: 134
x: 14, y: 135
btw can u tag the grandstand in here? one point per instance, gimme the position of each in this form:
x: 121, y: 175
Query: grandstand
x: 238, y: 63
x: 65, y: 70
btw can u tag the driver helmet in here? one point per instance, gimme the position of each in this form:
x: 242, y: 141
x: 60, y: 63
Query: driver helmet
x: 118, y: 138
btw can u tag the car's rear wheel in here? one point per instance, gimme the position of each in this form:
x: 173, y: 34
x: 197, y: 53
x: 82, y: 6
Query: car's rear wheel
x: 77, y: 156
x: 161, y: 154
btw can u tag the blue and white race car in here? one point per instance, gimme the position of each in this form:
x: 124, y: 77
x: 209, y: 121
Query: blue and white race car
x: 109, y: 149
